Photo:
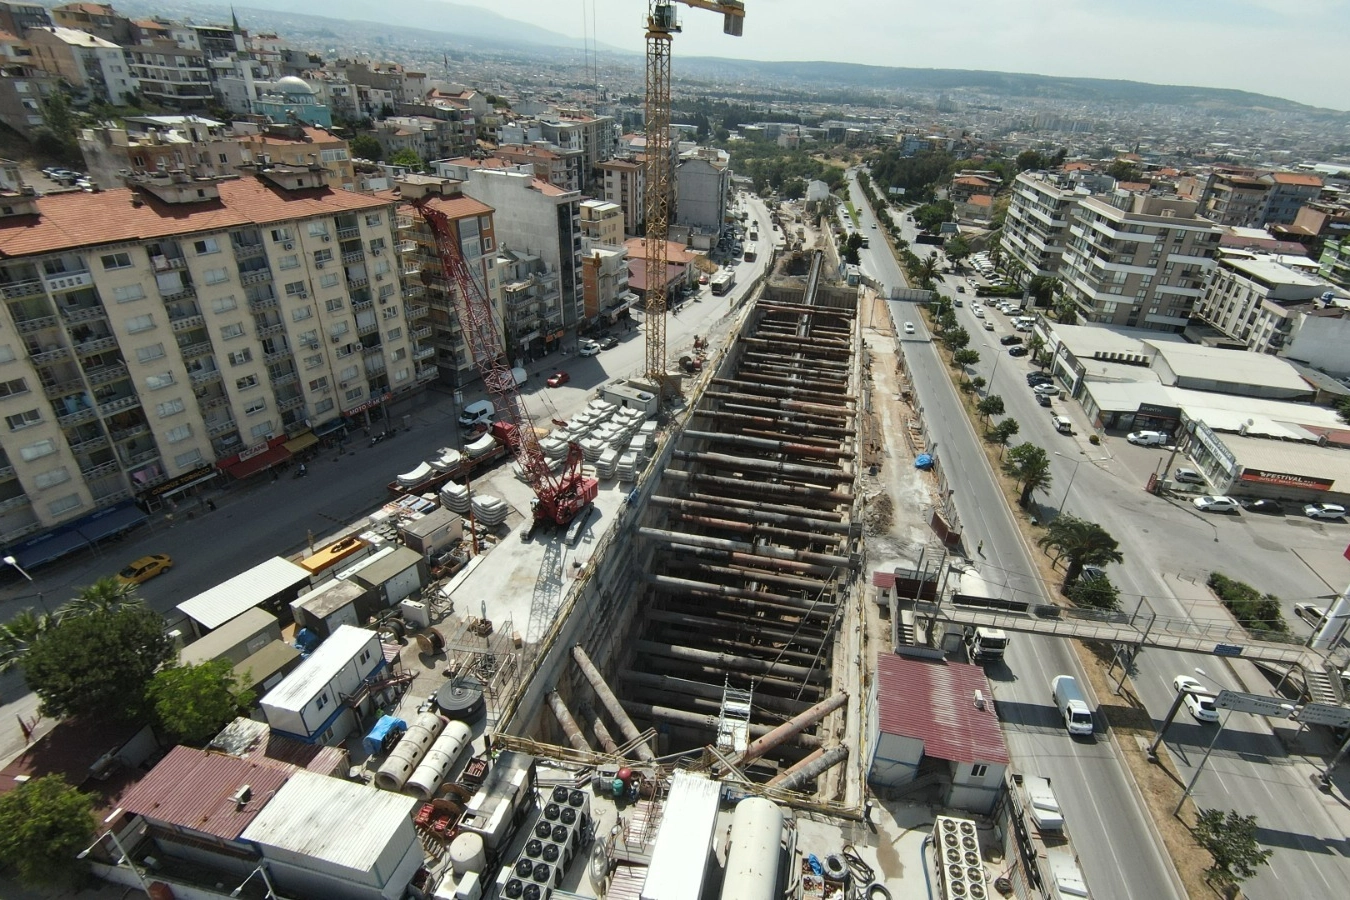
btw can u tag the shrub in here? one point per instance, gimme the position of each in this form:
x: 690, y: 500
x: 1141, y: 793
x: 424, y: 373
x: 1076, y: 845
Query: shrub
x: 1259, y: 614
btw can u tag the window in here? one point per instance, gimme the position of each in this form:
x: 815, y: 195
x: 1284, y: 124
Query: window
x: 382, y: 267
x: 395, y: 334
x: 301, y: 313
x: 398, y: 355
x: 310, y: 338
x: 354, y: 394
x: 289, y: 261
x: 128, y: 293
x: 348, y: 373
x: 224, y: 304
x: 296, y: 289
x: 344, y: 351
x: 318, y: 228
x: 255, y: 406
x: 335, y: 156
x: 261, y: 432
x: 363, y: 658
x: 12, y: 387
x: 51, y: 478
x: 402, y: 375
x: 329, y: 280
x: 116, y: 261
x: 64, y: 505
x: 38, y: 450
x: 247, y: 382
x: 233, y: 330
x: 169, y: 408
x: 313, y: 362
x: 322, y: 256
x: 188, y: 460
x: 239, y: 357
x: 179, y: 434
x: 149, y: 354
x: 487, y: 245
x: 216, y: 276
x: 23, y: 419
x: 338, y: 329
x: 323, y: 406
x: 319, y: 384
x: 281, y: 234
x: 978, y: 770
x: 205, y: 246
x: 6, y: 353
x: 334, y: 304
x: 137, y: 324
x: 163, y: 380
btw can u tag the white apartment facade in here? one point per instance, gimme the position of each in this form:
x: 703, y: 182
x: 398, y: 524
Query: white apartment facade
x: 1036, y: 229
x: 702, y: 190
x: 1262, y: 303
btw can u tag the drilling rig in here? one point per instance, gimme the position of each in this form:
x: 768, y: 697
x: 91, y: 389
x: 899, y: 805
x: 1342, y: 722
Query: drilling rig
x: 662, y: 26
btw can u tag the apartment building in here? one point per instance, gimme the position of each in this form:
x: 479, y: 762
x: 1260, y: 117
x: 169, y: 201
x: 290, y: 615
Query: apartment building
x: 531, y: 304
x: 159, y: 144
x: 1138, y: 260
x: 1037, y: 225
x: 17, y: 18
x: 1236, y: 199
x: 24, y: 87
x: 1335, y: 261
x: 171, y: 76
x: 93, y: 66
x: 301, y: 145
x: 153, y: 332
x: 555, y: 168
x: 601, y: 222
x: 1287, y: 193
x: 624, y: 182
x: 702, y: 191
x: 473, y: 227
x: 1257, y: 301
x: 597, y: 137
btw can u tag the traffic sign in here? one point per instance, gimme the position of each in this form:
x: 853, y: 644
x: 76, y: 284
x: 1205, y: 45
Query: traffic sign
x: 1228, y: 649
x: 1256, y: 704
x: 1325, y: 714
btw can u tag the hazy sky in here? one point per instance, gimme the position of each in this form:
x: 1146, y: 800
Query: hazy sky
x: 1298, y: 50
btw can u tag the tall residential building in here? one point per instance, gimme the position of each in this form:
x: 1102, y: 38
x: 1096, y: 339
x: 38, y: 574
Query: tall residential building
x: 1289, y: 192
x: 1140, y: 263
x: 171, y: 76
x: 159, y: 144
x: 17, y: 18
x: 473, y: 230
x: 1258, y: 301
x: 24, y: 87
x: 1037, y: 226
x: 624, y: 182
x: 531, y: 303
x: 96, y: 18
x: 601, y: 222
x: 301, y: 145
x: 1335, y: 261
x: 555, y: 168
x: 702, y: 191
x: 1236, y: 199
x: 92, y: 65
x: 596, y: 136
x: 182, y: 325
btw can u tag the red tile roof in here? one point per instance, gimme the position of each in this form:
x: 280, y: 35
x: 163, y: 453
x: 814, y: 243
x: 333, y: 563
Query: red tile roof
x: 675, y: 252
x: 1296, y: 178
x: 935, y: 703
x: 637, y: 273
x: 194, y: 789
x: 459, y: 207
x: 73, y: 220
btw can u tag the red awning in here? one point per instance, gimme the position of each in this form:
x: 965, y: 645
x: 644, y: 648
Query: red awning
x: 255, y: 464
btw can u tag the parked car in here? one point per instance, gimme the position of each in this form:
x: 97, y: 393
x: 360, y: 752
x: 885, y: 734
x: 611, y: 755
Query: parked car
x: 142, y: 570
x: 1324, y: 511
x: 1043, y: 400
x: 1147, y: 438
x: 1035, y: 378
x: 588, y: 348
x: 960, y: 288
x: 1199, y: 701
x: 609, y: 342
x: 988, y: 326
x: 558, y: 379
x: 1310, y: 613
x: 979, y: 313
x: 1187, y: 476
x: 1269, y: 507
x: 1047, y: 388
x: 1018, y: 351
x: 1009, y: 340
x: 1211, y: 503
x: 909, y: 328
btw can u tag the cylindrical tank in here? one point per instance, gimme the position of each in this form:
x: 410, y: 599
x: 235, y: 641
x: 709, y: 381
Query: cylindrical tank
x: 407, y: 753
x: 467, y: 854
x: 752, y: 860
x: 429, y: 774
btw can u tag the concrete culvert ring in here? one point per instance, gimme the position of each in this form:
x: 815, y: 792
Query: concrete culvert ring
x: 835, y: 867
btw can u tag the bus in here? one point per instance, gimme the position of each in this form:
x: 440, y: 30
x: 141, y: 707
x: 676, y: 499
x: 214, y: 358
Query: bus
x: 723, y: 282
x: 750, y: 251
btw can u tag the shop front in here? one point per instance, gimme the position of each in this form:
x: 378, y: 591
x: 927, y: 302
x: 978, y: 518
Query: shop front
x: 258, y: 458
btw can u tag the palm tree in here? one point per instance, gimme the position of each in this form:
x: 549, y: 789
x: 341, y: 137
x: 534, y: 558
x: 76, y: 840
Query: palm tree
x: 1030, y: 465
x: 106, y: 594
x: 1080, y: 543
x: 929, y: 267
x: 18, y: 634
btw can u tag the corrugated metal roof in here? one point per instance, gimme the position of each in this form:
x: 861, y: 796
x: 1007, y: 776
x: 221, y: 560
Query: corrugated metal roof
x: 686, y: 834
x: 194, y: 789
x: 314, y: 674
x: 935, y: 702
x: 337, y: 821
x: 383, y: 568
x: 220, y: 604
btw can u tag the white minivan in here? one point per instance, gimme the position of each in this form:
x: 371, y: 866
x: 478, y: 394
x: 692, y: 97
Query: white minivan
x: 479, y: 412
x: 1072, y: 707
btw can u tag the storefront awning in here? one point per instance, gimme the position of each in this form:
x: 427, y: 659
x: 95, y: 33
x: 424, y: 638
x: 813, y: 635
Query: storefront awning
x: 301, y: 442
x: 48, y: 548
x: 255, y: 464
x: 115, y: 522
x: 330, y: 426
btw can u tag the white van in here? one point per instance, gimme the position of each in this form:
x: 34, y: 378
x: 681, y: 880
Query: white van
x: 1063, y: 424
x: 479, y: 412
x: 1072, y: 707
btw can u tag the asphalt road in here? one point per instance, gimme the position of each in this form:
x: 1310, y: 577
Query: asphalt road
x: 1111, y: 830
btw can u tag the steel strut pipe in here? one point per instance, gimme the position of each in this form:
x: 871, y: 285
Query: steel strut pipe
x: 744, y: 463
x: 569, y: 724
x: 786, y: 422
x: 813, y: 417
x: 601, y: 732
x: 732, y: 662
x: 793, y: 726
x: 747, y: 565
x: 814, y: 516
x: 789, y: 447
x: 723, y: 590
x: 611, y: 702
x: 821, y: 401
x: 705, y: 722
x: 709, y: 624
x: 763, y: 488
x: 837, y: 312
x: 754, y: 528
x: 801, y: 764
x: 674, y: 685
x: 760, y: 402
x: 804, y: 771
x: 701, y: 540
x: 699, y: 571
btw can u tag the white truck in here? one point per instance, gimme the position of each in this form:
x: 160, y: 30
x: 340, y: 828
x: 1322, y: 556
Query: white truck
x: 1072, y: 706
x: 985, y: 644
x: 1050, y: 864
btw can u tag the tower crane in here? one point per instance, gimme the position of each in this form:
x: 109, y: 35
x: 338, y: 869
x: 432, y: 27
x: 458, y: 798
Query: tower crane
x: 662, y: 25
x: 558, y: 498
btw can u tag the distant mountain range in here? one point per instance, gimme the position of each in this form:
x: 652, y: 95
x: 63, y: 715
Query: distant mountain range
x: 471, y: 27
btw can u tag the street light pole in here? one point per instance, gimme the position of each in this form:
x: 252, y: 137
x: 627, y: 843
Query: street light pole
x: 1072, y: 476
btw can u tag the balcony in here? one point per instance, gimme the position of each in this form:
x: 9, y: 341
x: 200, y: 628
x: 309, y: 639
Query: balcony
x: 97, y: 345
x: 364, y: 330
x: 220, y: 428
x: 410, y: 268
x: 89, y: 446
x: 13, y: 503
x: 62, y: 388
x: 113, y: 407
x: 68, y: 281
x: 285, y: 379
x: 6, y: 473
x: 422, y: 353
x: 168, y: 263
x: 143, y: 457
x: 186, y: 323
x: 420, y: 334
x: 106, y: 374
x: 263, y: 304
x: 205, y: 376
x: 413, y: 290
x: 355, y: 284
x: 257, y: 276
x: 266, y: 331
x: 427, y: 373
x: 290, y: 403
x: 209, y: 403
x: 248, y: 251
x: 120, y: 494
x: 415, y: 312
x: 107, y: 468
x: 28, y: 326
x: 77, y: 417
x: 83, y: 314
x: 276, y: 356
x: 353, y: 256
x: 358, y: 305
x: 403, y: 222
x: 23, y: 289
x: 349, y: 231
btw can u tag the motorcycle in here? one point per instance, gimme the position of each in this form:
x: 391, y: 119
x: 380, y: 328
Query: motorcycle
x: 301, y: 471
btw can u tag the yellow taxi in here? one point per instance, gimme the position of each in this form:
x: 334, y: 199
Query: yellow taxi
x: 142, y: 570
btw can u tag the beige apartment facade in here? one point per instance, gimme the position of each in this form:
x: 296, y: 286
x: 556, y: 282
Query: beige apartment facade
x: 191, y: 326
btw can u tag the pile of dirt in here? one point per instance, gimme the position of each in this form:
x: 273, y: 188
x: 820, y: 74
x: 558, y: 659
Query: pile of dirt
x: 880, y: 513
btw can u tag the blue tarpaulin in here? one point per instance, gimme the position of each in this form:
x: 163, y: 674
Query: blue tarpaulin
x: 385, y: 732
x: 923, y: 461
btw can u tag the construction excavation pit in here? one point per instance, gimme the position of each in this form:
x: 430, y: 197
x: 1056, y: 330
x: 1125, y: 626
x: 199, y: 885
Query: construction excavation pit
x: 734, y: 645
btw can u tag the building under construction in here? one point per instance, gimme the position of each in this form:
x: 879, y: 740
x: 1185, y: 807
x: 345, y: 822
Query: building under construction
x: 720, y: 620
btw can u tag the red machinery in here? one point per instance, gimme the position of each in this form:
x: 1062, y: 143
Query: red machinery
x: 558, y: 497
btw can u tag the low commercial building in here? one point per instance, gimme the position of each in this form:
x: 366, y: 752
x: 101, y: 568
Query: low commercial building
x: 321, y: 702
x: 1297, y: 468
x: 234, y: 641
x: 272, y: 584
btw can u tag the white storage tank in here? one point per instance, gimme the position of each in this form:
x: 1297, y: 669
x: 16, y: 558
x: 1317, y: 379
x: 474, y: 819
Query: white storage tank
x: 755, y: 846
x: 408, y: 752
x: 467, y: 853
x: 439, y: 759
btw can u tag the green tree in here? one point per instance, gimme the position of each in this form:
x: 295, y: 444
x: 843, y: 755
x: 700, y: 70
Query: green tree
x: 1231, y: 841
x: 365, y: 146
x: 1123, y: 170
x: 977, y: 383
x: 1343, y: 409
x: 957, y: 249
x: 1095, y: 593
x: 991, y: 406
x: 98, y: 664
x: 19, y: 633
x: 955, y: 338
x: 408, y: 157
x: 104, y: 595
x: 1080, y: 543
x: 193, y: 703
x: 1036, y: 347
x: 1042, y: 290
x: 966, y: 357
x: 1003, y: 432
x: 59, y: 125
x: 930, y: 216
x: 44, y: 824
x: 928, y: 268
x: 1030, y: 466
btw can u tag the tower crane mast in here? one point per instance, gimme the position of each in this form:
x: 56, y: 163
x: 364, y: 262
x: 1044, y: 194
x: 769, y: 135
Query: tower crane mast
x: 662, y: 25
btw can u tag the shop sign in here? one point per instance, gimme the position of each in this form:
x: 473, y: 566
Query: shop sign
x: 183, y: 480
x: 1285, y: 479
